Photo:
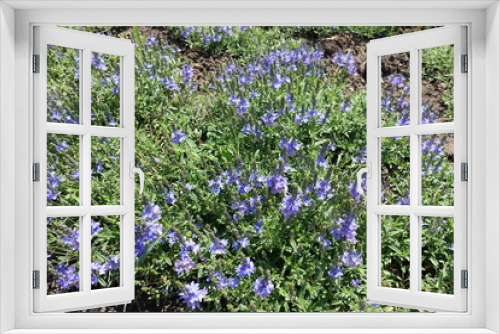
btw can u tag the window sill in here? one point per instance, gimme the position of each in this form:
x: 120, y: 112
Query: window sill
x: 251, y: 331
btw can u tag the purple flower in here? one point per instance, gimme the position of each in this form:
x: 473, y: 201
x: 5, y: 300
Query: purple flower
x: 171, y: 197
x: 324, y: 241
x: 187, y: 73
x: 270, y: 118
x: 216, y: 185
x: 345, y: 60
x: 355, y: 282
x: 63, y: 146
x: 290, y: 145
x: 186, y: 32
x: 247, y: 268
x: 277, y: 183
x: 336, y: 272
x: 244, y: 188
x: 73, y: 239
x: 249, y: 129
x: 94, y: 227
x: 290, y: 206
x: 218, y: 246
x: 345, y: 228
x: 66, y: 276
x: 301, y: 119
x: 242, y: 242
x: 192, y: 246
x: 263, y: 287
x: 233, y: 282
x: 322, y: 162
x: 113, y: 263
x: 323, y: 189
x: 150, y: 231
x: 193, y: 295
x: 258, y: 226
x: 351, y: 258
x: 184, y: 265
x: 171, y: 84
x: 178, y: 137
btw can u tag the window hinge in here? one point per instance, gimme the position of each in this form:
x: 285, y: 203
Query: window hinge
x: 465, y: 64
x: 36, y: 63
x: 36, y: 279
x: 465, y: 279
x: 464, y: 171
x: 36, y: 172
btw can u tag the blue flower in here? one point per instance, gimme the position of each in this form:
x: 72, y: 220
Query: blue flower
x: 277, y: 183
x: 171, y: 84
x: 247, y: 268
x: 322, y: 162
x: 113, y: 263
x: 94, y: 227
x: 324, y: 241
x: 171, y: 197
x: 249, y: 129
x: 184, y: 265
x: 263, y: 287
x: 290, y: 145
x: 151, y: 230
x: 73, y: 239
x: 193, y: 295
x: 178, y: 137
x: 233, y: 282
x: 63, y: 146
x: 244, y: 188
x: 218, y: 246
x: 66, y: 276
x: 347, y: 61
x: 336, y: 272
x: 351, y: 258
x: 356, y: 282
x: 258, y: 226
x: 290, y: 206
x: 270, y: 118
x: 187, y: 73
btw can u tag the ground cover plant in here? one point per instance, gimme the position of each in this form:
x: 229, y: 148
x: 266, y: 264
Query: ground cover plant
x: 250, y: 139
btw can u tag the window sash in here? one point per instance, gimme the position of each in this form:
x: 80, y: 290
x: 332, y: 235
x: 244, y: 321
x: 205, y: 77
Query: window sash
x: 414, y: 42
x: 86, y: 297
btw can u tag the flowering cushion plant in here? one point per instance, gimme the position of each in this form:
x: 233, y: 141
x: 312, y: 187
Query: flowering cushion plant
x: 250, y: 138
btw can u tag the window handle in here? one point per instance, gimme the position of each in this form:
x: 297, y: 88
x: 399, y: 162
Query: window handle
x: 134, y: 170
x: 365, y: 170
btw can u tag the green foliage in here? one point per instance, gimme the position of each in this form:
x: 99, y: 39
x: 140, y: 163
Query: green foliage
x: 288, y: 251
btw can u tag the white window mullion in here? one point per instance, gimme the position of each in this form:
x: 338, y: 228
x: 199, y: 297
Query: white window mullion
x: 415, y: 267
x: 373, y: 222
x: 86, y: 176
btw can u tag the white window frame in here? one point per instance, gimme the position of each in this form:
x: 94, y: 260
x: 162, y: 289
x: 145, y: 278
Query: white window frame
x: 483, y: 123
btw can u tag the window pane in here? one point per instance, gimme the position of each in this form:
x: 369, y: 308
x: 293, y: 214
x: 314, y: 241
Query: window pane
x: 437, y: 169
x: 395, y: 170
x: 395, y: 250
x: 63, y: 84
x: 105, y: 266
x: 437, y: 84
x: 395, y: 99
x: 63, y: 173
x: 105, y: 171
x: 437, y: 254
x: 63, y: 244
x: 105, y: 89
